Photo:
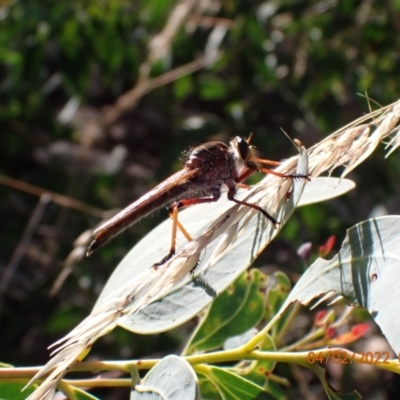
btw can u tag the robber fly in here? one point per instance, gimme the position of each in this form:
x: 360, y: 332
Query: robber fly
x: 206, y: 169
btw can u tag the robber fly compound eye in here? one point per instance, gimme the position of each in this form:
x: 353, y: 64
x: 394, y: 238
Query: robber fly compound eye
x: 242, y: 147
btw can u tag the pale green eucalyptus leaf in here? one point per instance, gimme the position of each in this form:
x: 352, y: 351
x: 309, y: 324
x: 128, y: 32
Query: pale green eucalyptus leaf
x: 172, y: 378
x: 366, y: 272
x: 325, y: 188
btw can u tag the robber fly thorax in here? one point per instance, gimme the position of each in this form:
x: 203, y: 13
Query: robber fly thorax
x: 216, y: 164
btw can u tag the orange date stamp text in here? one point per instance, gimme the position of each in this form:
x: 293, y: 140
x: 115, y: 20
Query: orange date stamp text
x: 343, y: 357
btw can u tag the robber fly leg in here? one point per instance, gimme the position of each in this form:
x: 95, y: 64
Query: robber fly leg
x: 173, y: 213
x: 231, y: 196
x: 281, y: 175
x: 257, y: 165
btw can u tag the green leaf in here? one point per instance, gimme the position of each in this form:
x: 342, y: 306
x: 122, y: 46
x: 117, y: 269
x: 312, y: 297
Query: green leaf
x: 278, y: 290
x: 10, y: 57
x: 13, y: 391
x: 239, y: 308
x: 182, y: 87
x: 212, y: 88
x: 208, y: 390
x: 233, y: 387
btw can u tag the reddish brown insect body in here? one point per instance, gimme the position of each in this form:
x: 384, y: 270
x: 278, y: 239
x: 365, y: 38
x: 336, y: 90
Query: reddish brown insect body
x: 208, y: 167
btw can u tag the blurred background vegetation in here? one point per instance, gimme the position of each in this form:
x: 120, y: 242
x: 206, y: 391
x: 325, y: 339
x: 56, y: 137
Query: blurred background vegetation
x: 98, y: 100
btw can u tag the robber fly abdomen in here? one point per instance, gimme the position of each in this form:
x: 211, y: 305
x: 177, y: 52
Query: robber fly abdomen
x: 159, y: 196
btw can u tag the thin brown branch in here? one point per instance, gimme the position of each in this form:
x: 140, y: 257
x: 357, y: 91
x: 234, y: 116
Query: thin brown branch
x: 210, y: 22
x: 59, y: 199
x: 160, y: 44
x: 128, y: 100
x: 20, y: 250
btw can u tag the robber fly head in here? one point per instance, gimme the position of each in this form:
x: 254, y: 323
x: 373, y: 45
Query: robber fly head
x: 243, y: 152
